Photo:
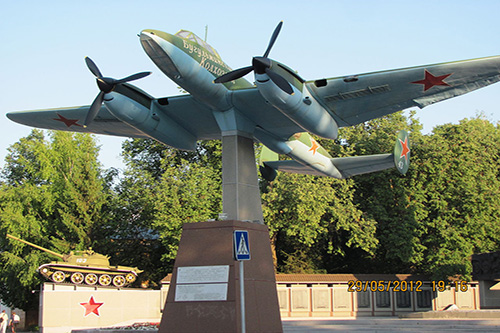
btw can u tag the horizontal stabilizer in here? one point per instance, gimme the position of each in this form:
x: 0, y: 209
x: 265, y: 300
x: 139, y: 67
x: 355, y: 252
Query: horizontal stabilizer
x: 347, y: 166
x: 293, y: 167
x: 358, y: 165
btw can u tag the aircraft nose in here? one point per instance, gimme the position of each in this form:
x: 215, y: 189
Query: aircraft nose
x: 149, y: 41
x: 160, y: 47
x: 146, y: 35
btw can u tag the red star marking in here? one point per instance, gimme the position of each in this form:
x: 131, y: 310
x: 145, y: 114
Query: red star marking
x: 91, y: 307
x: 68, y: 122
x: 314, y: 147
x: 405, y: 150
x: 430, y: 80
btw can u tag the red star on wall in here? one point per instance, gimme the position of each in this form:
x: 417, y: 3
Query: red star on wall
x: 430, y: 80
x: 314, y: 147
x: 405, y: 150
x: 68, y: 122
x: 91, y: 307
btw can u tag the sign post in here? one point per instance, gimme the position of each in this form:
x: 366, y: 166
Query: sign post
x: 242, y: 253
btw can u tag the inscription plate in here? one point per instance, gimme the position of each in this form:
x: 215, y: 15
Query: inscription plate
x: 203, y: 274
x: 201, y: 292
x: 202, y: 283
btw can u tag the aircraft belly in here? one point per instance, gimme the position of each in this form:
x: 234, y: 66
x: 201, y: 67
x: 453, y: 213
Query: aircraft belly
x: 193, y: 116
x: 251, y: 104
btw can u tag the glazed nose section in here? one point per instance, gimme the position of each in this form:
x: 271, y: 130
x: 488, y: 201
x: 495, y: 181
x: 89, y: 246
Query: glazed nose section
x: 148, y: 41
x: 159, y: 46
x: 152, y: 40
x: 146, y: 34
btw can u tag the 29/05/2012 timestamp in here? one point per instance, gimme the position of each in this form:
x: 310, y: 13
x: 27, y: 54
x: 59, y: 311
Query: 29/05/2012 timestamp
x: 402, y: 286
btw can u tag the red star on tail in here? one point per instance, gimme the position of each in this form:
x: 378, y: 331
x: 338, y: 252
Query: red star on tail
x: 405, y: 150
x: 91, y: 307
x: 430, y: 80
x: 314, y: 147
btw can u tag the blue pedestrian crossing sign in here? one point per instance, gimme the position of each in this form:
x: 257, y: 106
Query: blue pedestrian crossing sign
x: 241, y: 245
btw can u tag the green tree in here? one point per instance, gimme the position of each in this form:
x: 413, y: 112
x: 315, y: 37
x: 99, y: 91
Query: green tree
x: 388, y: 197
x: 312, y: 219
x: 459, y: 170
x: 161, y: 189
x: 52, y: 194
x: 188, y: 192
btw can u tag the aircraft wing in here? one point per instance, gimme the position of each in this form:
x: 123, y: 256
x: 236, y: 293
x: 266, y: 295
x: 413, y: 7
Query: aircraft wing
x: 347, y: 166
x: 183, y: 109
x: 71, y: 119
x: 359, y: 98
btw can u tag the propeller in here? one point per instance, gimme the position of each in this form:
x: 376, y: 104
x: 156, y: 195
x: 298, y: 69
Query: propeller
x: 260, y: 65
x: 106, y: 85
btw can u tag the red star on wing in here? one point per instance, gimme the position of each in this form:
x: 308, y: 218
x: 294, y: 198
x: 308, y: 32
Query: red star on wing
x: 405, y: 150
x: 430, y: 80
x: 314, y: 147
x: 91, y: 307
x: 68, y: 122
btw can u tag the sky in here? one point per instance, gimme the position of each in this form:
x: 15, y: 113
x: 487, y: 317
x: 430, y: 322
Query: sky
x: 44, y: 43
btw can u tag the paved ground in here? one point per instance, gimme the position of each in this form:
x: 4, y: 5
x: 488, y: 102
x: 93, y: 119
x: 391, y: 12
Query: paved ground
x: 372, y: 324
x: 391, y: 324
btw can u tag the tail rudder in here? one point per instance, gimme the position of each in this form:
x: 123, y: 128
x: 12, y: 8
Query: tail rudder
x: 402, y: 152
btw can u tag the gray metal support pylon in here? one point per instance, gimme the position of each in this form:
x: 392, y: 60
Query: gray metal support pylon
x: 240, y: 186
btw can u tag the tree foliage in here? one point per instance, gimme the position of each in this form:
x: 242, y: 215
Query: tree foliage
x: 52, y: 195
x: 161, y: 189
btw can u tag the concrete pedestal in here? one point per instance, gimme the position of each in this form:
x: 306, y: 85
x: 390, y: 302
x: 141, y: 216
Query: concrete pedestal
x: 209, y: 245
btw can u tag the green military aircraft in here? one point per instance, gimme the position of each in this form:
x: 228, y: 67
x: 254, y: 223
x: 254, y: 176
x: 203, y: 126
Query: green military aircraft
x: 279, y: 110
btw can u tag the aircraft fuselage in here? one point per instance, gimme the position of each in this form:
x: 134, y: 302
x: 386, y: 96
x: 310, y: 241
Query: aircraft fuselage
x: 194, y: 67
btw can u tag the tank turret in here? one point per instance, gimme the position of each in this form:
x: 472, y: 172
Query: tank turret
x: 84, y: 267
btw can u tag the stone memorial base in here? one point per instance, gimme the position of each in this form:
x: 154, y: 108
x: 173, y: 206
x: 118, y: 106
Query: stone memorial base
x: 204, y: 293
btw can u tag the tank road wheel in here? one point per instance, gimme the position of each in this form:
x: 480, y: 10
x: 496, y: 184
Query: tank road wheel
x: 104, y: 280
x: 77, y: 278
x: 58, y: 276
x: 119, y: 281
x: 91, y: 279
x: 130, y: 278
x: 45, y: 272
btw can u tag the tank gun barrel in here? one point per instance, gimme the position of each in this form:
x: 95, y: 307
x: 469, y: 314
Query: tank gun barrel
x: 36, y: 246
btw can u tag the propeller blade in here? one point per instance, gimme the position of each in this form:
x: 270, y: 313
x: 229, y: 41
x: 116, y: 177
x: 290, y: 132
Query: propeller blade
x: 233, y: 75
x: 273, y: 39
x: 280, y: 81
x: 106, y: 85
x: 94, y: 109
x: 133, y: 77
x: 93, y: 67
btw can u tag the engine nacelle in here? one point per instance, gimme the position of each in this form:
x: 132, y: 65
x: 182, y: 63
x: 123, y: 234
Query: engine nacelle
x: 154, y: 124
x: 301, y: 107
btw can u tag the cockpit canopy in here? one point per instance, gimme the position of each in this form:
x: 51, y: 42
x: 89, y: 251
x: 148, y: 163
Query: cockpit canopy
x: 192, y: 37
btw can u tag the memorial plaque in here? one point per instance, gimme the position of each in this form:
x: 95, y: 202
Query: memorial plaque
x: 201, y: 292
x: 203, y: 274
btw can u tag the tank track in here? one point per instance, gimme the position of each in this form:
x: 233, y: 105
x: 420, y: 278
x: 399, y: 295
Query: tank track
x: 103, y: 279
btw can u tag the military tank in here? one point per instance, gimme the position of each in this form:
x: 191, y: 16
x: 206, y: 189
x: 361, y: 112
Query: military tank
x: 84, y: 267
